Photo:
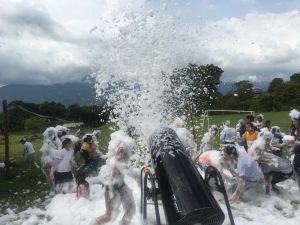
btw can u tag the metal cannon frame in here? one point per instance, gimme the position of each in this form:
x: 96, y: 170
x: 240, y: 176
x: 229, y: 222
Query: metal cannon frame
x: 150, y: 193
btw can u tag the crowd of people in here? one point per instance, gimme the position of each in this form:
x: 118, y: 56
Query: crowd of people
x: 254, y: 153
x: 251, y: 156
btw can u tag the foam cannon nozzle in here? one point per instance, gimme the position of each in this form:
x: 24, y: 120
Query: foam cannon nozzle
x: 185, y: 197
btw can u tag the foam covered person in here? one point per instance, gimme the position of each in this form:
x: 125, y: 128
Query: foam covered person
x: 51, y: 144
x: 295, y: 148
x: 112, y: 176
x: 274, y: 168
x: 208, y: 139
x: 249, y: 174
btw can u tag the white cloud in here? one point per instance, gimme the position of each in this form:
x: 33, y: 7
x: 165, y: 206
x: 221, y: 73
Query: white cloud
x: 35, y: 48
x: 48, y: 41
x: 252, y: 78
x: 260, y: 43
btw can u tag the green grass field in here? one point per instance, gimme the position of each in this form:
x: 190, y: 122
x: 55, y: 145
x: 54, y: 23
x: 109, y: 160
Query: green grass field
x: 24, y: 186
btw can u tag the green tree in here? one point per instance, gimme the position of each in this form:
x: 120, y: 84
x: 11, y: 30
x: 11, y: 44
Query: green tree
x: 16, y: 116
x: 287, y: 97
x: 35, y: 124
x: 193, y: 88
x: 275, y: 84
x: 295, y: 77
x: 52, y: 109
x: 243, y: 90
x: 92, y: 115
x: 1, y: 123
x: 263, y: 103
x: 238, y: 97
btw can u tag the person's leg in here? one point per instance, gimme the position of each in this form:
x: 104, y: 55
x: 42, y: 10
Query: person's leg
x: 28, y: 161
x: 128, y: 204
x: 267, y: 183
x: 296, y: 164
x: 278, y: 177
x: 109, y: 209
x: 46, y: 172
x: 297, y: 172
x: 232, y: 186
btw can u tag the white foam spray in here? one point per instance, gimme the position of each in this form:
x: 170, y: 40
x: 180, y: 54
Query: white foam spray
x: 135, y: 44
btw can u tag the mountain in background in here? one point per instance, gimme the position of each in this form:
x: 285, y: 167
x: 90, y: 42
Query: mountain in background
x: 71, y: 93
x: 67, y: 94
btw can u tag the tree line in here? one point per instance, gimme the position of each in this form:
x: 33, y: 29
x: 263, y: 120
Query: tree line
x: 281, y: 95
x: 190, y: 90
x: 35, y: 117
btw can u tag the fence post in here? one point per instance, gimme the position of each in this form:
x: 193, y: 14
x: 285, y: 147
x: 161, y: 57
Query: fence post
x: 6, y: 137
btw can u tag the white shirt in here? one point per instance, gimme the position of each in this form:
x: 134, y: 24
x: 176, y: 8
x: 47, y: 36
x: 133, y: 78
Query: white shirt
x: 28, y: 148
x: 65, y: 156
x: 247, y: 167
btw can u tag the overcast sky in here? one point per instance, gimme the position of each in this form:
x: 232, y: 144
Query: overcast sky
x: 53, y: 41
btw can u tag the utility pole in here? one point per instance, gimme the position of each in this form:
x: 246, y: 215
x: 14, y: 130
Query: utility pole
x: 6, y: 137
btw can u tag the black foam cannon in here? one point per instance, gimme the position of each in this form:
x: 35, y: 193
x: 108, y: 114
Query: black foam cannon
x: 185, y: 197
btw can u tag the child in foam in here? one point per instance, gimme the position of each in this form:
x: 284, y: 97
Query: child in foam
x: 259, y: 121
x: 90, y: 153
x: 63, y: 163
x: 249, y: 175
x: 295, y: 148
x: 250, y: 134
x: 112, y: 176
x: 51, y: 144
x: 274, y: 168
x: 28, y: 151
x: 208, y: 139
x: 277, y: 141
x: 83, y: 187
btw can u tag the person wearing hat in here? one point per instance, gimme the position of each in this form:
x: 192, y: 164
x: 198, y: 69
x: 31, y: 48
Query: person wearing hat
x: 295, y: 131
x: 249, y: 174
x: 28, y: 151
x: 61, y: 170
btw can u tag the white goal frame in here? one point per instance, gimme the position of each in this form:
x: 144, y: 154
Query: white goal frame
x: 206, y: 114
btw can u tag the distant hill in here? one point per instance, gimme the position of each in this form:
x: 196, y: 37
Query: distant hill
x: 224, y: 87
x: 68, y: 94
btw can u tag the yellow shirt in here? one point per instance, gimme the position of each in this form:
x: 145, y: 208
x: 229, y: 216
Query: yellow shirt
x: 250, y: 136
x: 85, y: 146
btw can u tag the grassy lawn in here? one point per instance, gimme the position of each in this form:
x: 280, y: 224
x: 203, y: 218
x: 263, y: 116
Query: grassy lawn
x: 280, y: 119
x: 25, y: 187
